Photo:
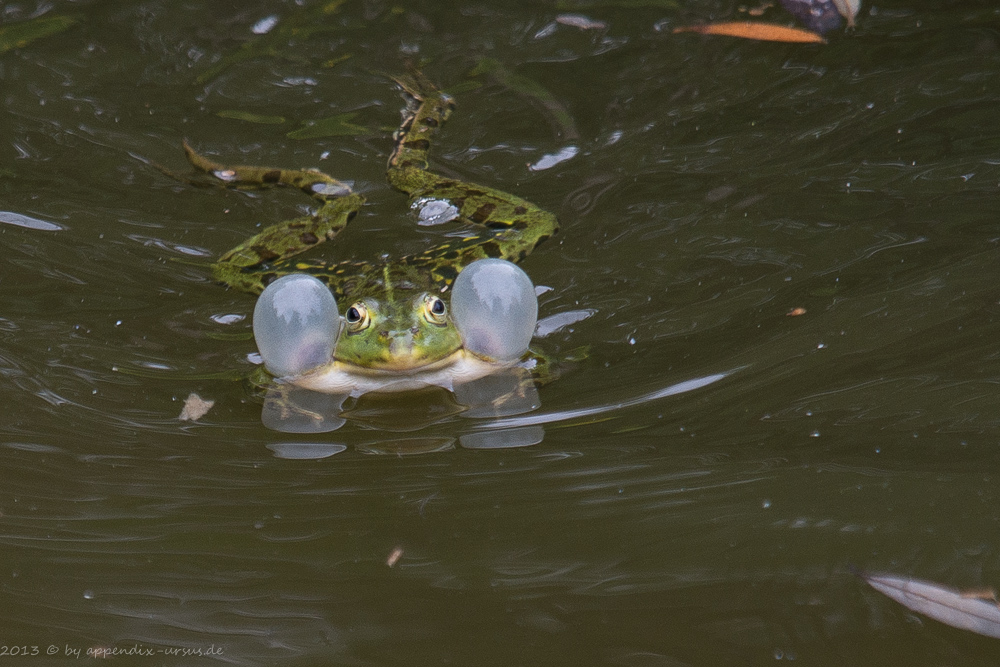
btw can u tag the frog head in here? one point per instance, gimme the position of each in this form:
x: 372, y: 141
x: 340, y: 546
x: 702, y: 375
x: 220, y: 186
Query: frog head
x: 395, y: 331
x: 397, y: 335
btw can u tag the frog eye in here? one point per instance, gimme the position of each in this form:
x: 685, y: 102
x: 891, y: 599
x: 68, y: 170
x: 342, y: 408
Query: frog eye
x: 435, y: 311
x: 357, y: 318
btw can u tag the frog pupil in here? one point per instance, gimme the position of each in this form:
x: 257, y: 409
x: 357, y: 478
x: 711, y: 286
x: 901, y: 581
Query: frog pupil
x: 353, y: 315
x: 438, y: 307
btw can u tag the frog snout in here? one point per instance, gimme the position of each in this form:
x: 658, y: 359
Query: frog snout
x: 398, y: 340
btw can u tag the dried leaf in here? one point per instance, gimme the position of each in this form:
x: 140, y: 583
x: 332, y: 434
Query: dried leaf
x: 948, y: 605
x: 195, y: 407
x: 752, y: 30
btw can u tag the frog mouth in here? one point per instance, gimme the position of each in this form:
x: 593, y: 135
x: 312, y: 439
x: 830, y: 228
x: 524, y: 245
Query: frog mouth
x: 399, y: 352
x: 341, y: 377
x: 402, y: 364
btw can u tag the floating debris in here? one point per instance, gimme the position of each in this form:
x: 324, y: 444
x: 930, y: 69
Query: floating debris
x: 394, y: 557
x: 795, y: 312
x: 195, y: 407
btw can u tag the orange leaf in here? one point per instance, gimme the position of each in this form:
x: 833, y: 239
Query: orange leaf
x: 750, y: 30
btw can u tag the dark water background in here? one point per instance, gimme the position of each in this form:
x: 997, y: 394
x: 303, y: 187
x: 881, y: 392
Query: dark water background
x: 719, y: 184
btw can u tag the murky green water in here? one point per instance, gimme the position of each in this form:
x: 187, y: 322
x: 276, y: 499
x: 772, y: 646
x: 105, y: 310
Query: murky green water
x: 718, y: 185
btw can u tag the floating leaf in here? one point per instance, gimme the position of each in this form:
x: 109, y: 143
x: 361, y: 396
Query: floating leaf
x: 752, y: 30
x: 533, y: 90
x: 195, y: 407
x: 948, y: 605
x: 334, y: 126
x: 18, y: 35
x: 236, y: 114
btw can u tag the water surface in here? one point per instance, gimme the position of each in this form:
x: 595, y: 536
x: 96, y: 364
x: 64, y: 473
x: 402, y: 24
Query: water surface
x: 706, y: 187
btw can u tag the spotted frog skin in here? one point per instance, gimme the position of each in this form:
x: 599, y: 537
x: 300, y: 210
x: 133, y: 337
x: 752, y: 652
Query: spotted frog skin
x: 397, y: 320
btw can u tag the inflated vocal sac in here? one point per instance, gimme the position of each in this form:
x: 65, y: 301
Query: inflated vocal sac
x: 494, y: 307
x: 296, y: 324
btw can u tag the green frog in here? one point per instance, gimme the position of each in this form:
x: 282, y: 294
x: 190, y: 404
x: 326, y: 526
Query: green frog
x: 398, y: 331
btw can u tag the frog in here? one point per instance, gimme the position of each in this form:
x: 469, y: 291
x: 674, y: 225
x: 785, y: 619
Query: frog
x: 397, y: 332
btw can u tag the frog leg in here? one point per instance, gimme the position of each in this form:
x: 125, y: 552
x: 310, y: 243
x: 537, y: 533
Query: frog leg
x: 253, y: 264
x: 506, y: 226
